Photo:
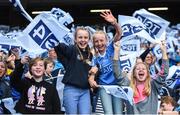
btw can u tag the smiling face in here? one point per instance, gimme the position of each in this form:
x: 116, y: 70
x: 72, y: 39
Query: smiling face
x: 37, y: 67
x: 82, y: 38
x: 149, y: 59
x: 100, y: 42
x: 140, y: 72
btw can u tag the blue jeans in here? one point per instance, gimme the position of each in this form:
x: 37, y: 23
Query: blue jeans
x: 76, y: 100
x: 111, y: 104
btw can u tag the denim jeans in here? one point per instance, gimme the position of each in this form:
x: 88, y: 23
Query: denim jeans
x: 76, y: 100
x: 111, y: 104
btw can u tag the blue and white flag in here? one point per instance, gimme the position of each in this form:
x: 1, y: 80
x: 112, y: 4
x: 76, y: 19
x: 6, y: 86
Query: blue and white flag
x: 63, y: 17
x: 154, y: 23
x: 157, y: 52
x: 43, y: 33
x: 6, y: 43
x: 13, y: 35
x: 130, y: 46
x: 169, y: 47
x: 173, y: 78
x: 19, y: 7
x: 132, y: 27
x: 68, y: 39
x: 127, y: 62
x: 120, y: 92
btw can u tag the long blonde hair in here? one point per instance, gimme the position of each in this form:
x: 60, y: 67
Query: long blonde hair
x: 133, y: 83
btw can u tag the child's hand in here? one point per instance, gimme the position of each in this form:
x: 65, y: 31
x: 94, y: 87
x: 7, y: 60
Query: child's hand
x: 107, y: 15
x: 25, y: 59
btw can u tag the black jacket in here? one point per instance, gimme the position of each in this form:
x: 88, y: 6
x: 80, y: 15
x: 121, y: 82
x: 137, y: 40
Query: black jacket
x: 76, y: 70
x: 5, y: 89
x: 36, y: 97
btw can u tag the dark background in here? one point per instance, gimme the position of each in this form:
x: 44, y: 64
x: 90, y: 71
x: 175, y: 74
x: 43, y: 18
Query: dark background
x: 80, y: 9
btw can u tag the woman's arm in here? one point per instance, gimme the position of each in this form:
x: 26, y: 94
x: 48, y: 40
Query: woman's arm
x: 116, y: 63
x: 165, y: 62
x: 164, y: 70
x: 63, y: 51
x: 121, y: 78
x: 108, y: 16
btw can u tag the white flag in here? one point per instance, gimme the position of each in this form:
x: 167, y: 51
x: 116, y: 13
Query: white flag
x: 63, y: 17
x: 154, y: 23
x: 128, y: 61
x: 43, y: 33
x: 173, y: 78
x: 132, y: 27
x: 119, y: 92
x: 6, y: 43
x: 130, y: 46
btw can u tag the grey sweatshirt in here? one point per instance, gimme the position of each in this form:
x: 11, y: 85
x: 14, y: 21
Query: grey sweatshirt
x: 150, y: 104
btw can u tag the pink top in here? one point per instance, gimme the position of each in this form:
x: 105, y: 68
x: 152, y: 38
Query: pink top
x: 140, y: 96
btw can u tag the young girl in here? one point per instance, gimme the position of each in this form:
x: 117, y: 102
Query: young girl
x: 103, y: 59
x: 146, y: 89
x: 76, y: 61
x: 37, y: 95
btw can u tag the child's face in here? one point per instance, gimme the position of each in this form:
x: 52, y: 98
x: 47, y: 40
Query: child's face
x: 166, y: 107
x: 82, y: 38
x: 49, y: 67
x: 100, y: 42
x: 38, y: 69
x: 141, y: 72
x: 2, y: 69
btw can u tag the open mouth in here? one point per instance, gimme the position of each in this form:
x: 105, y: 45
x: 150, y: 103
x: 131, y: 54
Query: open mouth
x: 141, y: 75
x: 38, y: 72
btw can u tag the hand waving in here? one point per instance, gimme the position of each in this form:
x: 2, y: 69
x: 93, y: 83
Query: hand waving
x: 108, y: 16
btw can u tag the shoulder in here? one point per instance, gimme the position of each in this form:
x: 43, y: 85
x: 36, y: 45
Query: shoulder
x: 6, y: 80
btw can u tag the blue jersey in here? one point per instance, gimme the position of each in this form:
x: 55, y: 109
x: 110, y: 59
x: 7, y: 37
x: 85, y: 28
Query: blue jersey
x: 106, y: 76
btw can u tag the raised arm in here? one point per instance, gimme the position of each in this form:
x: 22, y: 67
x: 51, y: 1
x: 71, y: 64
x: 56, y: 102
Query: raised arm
x: 121, y: 78
x: 116, y: 63
x: 16, y: 76
x: 163, y: 73
x: 108, y: 16
x: 165, y: 62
